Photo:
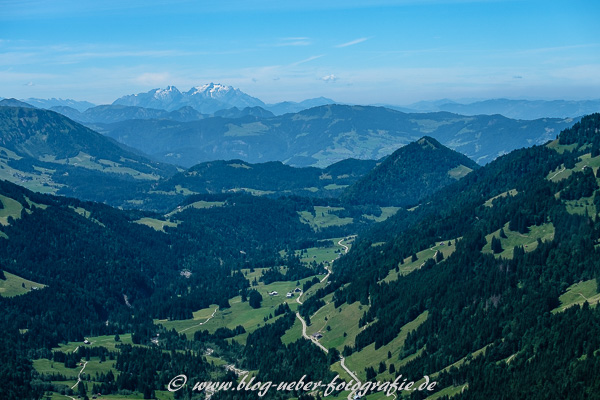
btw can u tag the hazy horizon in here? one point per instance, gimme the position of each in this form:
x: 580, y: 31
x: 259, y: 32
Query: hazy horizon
x: 378, y: 52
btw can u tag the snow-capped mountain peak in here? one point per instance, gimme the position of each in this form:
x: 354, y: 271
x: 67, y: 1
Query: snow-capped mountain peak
x: 205, y: 99
x: 211, y: 90
x: 169, y: 92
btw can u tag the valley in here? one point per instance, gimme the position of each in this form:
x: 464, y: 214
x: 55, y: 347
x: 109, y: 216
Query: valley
x: 421, y: 263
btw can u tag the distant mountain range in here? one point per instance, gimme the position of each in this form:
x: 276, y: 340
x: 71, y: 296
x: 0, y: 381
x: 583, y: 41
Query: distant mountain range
x: 324, y: 135
x: 294, y: 107
x: 206, y: 99
x: 14, y: 103
x: 210, y: 98
x: 116, y: 113
x: 213, y: 98
x: 47, y: 152
x: 516, y: 109
x: 49, y: 103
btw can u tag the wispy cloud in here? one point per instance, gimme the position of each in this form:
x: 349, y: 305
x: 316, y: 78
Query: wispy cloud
x: 329, y: 78
x: 293, y: 41
x: 353, y: 42
x: 309, y: 59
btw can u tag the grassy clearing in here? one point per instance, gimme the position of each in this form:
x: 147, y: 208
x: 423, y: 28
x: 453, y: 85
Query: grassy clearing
x: 12, y: 208
x: 585, y: 161
x: 342, y: 320
x: 293, y: 334
x: 198, y: 205
x: 44, y: 366
x: 335, y: 186
x: 579, y: 293
x: 198, y: 319
x: 451, y: 390
x: 463, y: 360
x: 253, y: 192
x: 324, y: 255
x: 206, y: 204
x: 311, y: 189
x: 529, y: 241
x: 156, y: 224
x: 339, y: 243
x: 561, y: 148
x: 459, y: 172
x: 15, y: 285
x: 84, y: 160
x: 337, y: 368
x: 386, y: 212
x: 446, y: 247
x: 581, y: 206
x: 38, y: 180
x: 86, y: 214
x: 448, y: 391
x: 239, y: 313
x: 369, y: 357
x: 559, y: 173
x: 34, y: 204
x: 219, y: 362
x: 94, y: 366
x: 107, y: 341
x: 321, y: 217
x: 512, y: 193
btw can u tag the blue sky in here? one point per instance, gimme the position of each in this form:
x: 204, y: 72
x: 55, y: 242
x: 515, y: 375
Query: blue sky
x: 366, y: 52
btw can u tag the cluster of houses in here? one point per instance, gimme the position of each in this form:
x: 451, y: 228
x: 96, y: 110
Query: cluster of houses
x: 289, y: 295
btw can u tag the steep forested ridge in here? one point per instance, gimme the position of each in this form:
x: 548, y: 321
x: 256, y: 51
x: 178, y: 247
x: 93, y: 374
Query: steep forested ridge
x: 47, y: 152
x: 410, y: 174
x: 273, y: 179
x: 476, y: 300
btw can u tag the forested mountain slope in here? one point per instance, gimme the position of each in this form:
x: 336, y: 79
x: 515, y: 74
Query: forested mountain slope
x: 492, y: 304
x: 410, y: 174
x: 48, y: 152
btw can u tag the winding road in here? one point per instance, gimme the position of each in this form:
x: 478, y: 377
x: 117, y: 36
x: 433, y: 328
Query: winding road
x: 314, y: 340
x: 79, y: 376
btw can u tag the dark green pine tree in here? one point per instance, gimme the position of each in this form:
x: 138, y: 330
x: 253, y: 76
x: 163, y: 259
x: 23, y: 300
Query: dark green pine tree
x: 503, y: 234
x: 439, y: 256
x: 496, y: 245
x: 254, y: 299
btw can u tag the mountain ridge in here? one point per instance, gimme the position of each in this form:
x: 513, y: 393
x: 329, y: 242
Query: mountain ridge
x: 206, y: 99
x: 409, y: 174
x: 48, y: 152
x: 326, y: 134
